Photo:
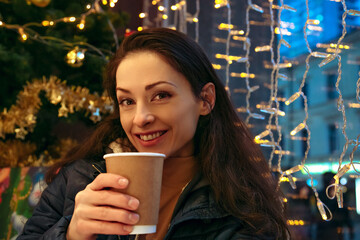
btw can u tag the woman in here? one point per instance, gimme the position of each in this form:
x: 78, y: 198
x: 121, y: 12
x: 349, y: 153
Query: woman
x: 167, y: 99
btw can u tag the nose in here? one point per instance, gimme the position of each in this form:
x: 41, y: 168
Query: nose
x: 143, y: 116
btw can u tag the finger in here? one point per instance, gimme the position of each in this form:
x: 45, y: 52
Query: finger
x: 103, y: 227
x: 110, y: 214
x: 109, y: 198
x: 108, y: 180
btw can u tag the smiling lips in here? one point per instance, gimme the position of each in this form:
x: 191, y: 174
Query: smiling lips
x: 149, y: 137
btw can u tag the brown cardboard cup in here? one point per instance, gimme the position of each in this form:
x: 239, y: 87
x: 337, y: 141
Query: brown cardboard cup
x: 144, y: 171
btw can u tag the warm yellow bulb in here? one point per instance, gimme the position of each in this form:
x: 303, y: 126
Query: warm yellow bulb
x: 140, y: 29
x: 112, y: 4
x: 72, y: 19
x: 225, y: 26
x: 24, y: 36
x: 161, y: 8
x: 173, y: 7
x: 88, y: 6
x: 195, y: 19
x: 217, y: 6
x: 142, y: 15
x: 81, y: 26
x: 164, y: 16
x: 104, y: 2
x: 45, y: 23
x: 51, y: 23
x: 1, y: 23
x: 216, y: 66
x: 154, y: 2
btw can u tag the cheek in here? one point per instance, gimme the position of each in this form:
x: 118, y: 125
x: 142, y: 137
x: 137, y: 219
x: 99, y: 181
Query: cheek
x: 124, y: 120
x: 186, y: 122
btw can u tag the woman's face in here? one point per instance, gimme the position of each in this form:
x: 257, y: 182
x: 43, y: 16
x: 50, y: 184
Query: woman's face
x: 158, y: 109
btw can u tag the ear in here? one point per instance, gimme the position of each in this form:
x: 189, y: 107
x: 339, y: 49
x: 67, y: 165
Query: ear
x: 208, y: 97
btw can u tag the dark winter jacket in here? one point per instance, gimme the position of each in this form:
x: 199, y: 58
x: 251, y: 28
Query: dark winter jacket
x: 196, y: 215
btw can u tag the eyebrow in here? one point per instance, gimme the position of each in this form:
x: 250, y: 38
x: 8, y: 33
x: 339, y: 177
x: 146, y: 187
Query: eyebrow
x: 147, y: 87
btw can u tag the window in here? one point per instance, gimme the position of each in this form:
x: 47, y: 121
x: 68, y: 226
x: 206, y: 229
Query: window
x: 331, y: 89
x: 333, y: 138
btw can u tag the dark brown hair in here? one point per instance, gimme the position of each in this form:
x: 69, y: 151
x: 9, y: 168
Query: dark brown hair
x: 234, y: 165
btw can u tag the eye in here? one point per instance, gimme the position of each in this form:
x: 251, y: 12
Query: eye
x: 161, y: 95
x: 126, y: 102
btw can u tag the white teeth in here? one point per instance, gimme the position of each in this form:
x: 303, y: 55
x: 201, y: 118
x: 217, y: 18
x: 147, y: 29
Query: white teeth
x: 150, y: 136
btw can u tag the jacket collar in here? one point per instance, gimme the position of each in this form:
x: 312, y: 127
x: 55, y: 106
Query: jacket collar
x: 197, y: 201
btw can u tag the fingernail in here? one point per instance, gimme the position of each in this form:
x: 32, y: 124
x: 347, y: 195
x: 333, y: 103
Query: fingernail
x: 134, y: 217
x: 123, y: 182
x: 133, y: 203
x: 128, y: 228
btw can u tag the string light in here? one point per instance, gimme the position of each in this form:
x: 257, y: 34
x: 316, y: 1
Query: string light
x: 81, y: 25
x: 263, y: 134
x: 23, y: 35
x: 352, y: 12
x: 313, y: 21
x: 284, y: 6
x: 27, y: 33
x: 263, y: 48
x: 297, y: 129
x: 240, y: 75
x: 273, y: 111
x: 220, y: 3
x: 75, y: 57
x: 225, y: 26
x: 292, y: 98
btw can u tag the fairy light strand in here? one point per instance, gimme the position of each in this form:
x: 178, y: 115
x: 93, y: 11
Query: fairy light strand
x: 340, y: 101
x: 340, y: 106
x: 247, y: 45
x: 273, y: 96
x: 272, y: 60
x: 196, y: 16
x: 358, y: 89
x: 27, y: 33
x: 227, y: 69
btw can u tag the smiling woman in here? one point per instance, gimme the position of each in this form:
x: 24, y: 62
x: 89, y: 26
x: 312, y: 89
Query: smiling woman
x: 167, y: 99
x: 156, y: 105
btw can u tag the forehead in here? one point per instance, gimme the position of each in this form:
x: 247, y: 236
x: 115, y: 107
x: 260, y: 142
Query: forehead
x: 146, y: 67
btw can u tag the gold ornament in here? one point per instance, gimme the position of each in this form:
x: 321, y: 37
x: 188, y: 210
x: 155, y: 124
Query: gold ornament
x: 40, y: 3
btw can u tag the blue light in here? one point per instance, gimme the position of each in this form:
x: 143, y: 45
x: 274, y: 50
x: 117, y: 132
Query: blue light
x: 308, y: 182
x: 343, y: 181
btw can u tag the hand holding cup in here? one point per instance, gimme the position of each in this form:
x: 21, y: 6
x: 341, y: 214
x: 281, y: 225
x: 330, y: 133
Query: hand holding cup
x: 102, y: 209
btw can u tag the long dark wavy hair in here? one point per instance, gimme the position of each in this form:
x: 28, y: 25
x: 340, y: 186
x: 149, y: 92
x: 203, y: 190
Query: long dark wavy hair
x: 228, y: 157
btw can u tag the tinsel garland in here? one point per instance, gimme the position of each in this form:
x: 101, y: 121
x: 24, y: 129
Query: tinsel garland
x: 21, y: 117
x: 16, y: 153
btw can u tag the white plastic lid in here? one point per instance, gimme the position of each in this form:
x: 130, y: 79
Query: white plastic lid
x: 143, y: 229
x: 147, y: 154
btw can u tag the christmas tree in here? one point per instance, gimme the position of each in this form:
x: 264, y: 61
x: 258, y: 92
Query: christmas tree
x: 52, y: 57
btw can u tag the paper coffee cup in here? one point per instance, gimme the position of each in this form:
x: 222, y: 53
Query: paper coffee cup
x: 144, y: 171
